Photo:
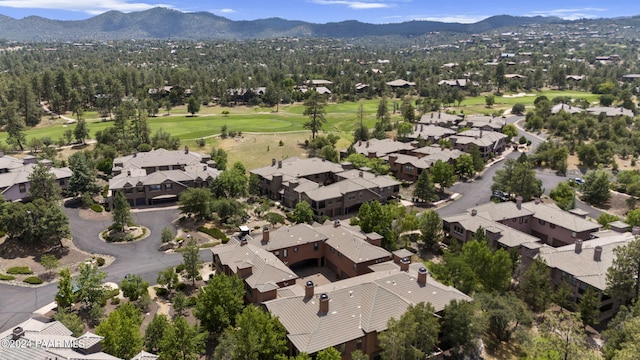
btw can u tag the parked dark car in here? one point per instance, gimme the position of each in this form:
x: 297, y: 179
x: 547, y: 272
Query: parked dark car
x: 500, y: 196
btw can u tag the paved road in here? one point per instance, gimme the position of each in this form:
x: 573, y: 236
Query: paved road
x: 143, y: 258
x: 18, y: 303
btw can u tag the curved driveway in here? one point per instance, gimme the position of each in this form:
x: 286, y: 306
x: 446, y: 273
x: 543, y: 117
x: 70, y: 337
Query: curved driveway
x: 142, y: 257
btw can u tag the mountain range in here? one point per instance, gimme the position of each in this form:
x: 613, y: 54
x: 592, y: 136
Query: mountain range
x: 162, y: 23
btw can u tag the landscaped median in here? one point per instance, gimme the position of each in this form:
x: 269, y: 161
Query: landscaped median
x: 133, y: 233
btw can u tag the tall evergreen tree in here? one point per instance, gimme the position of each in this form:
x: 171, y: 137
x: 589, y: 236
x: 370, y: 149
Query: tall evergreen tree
x: 43, y: 184
x: 315, y: 110
x: 121, y: 211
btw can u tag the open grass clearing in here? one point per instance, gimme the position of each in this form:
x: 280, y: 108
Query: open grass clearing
x: 341, y: 117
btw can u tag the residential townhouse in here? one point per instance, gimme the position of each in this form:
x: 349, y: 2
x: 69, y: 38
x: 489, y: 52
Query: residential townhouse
x: 584, y: 265
x: 547, y: 222
x: 429, y: 133
x: 486, y: 123
x: 574, y: 249
x: 331, y: 189
x: 263, y: 260
x: 375, y: 148
x: 349, y: 314
x: 15, y: 173
x: 160, y: 175
x: 490, y: 143
x: 441, y: 119
x: 409, y: 167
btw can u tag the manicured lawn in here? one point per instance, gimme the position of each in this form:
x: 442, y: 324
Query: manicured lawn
x: 341, y: 117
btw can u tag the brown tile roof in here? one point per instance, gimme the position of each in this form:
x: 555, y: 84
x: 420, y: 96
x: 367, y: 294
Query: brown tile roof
x: 381, y: 147
x: 295, y: 167
x: 287, y: 236
x: 478, y: 137
x: 160, y: 157
x: 139, y: 177
x: 582, y: 265
x: 357, y: 306
x: 439, y: 117
x: 267, y: 269
x: 554, y: 215
x: 430, y: 131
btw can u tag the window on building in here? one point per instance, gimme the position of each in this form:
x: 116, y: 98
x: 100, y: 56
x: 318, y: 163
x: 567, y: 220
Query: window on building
x: 284, y: 253
x: 409, y: 168
x: 168, y: 186
x: 154, y: 188
x: 341, y: 348
x: 541, y: 222
x: 553, y: 226
x: 359, y: 344
x: 22, y: 188
x: 458, y: 230
x: 316, y: 246
x: 295, y: 249
x: 61, y: 182
x: 276, y: 253
x: 128, y: 190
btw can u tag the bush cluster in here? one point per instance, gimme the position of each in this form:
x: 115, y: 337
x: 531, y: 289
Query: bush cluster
x: 215, y: 232
x: 7, y: 277
x: 19, y: 270
x: 33, y: 280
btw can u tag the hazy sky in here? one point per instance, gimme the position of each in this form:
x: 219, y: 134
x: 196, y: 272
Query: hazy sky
x: 323, y: 11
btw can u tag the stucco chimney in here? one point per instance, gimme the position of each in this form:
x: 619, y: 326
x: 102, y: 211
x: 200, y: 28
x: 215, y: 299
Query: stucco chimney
x: 578, y: 248
x: 265, y: 234
x: 404, y: 264
x: 474, y: 212
x: 273, y: 162
x: 519, y: 202
x: 308, y: 290
x: 336, y: 223
x: 279, y: 164
x: 324, y: 304
x: 597, y: 253
x: 361, y: 174
x: 422, y: 276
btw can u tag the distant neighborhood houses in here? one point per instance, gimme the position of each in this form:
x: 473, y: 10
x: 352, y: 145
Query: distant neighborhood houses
x: 14, y: 176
